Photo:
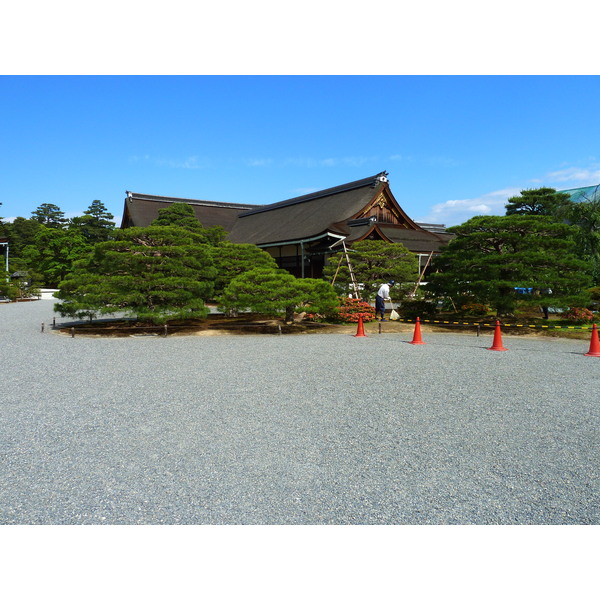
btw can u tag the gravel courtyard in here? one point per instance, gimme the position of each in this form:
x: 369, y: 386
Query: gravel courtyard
x: 304, y: 429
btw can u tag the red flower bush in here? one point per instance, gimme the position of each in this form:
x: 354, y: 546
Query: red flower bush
x: 579, y: 315
x: 351, y: 310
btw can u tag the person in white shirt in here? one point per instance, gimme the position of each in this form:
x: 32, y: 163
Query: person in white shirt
x: 383, y: 295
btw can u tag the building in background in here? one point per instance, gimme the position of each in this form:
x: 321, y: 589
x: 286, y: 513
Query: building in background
x: 301, y: 232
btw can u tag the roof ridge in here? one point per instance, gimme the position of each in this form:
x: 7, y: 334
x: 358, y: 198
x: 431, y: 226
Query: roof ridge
x: 320, y: 194
x: 155, y: 198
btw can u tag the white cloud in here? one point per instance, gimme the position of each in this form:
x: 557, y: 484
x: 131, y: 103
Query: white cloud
x: 304, y: 191
x: 577, y: 176
x: 454, y: 212
x: 352, y: 161
x: 258, y: 162
x: 191, y: 162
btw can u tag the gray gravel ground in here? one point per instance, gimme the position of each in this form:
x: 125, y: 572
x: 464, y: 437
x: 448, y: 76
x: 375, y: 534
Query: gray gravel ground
x: 304, y: 429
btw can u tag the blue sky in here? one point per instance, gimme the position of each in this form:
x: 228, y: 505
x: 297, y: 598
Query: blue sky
x: 454, y: 146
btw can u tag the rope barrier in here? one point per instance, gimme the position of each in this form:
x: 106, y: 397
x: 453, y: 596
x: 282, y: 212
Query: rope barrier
x: 479, y: 324
x: 166, y: 329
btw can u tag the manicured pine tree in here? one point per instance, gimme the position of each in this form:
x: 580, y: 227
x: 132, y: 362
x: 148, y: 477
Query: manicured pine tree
x: 180, y: 214
x: 541, y: 201
x: 491, y: 256
x: 276, y: 293
x: 152, y: 273
x: 232, y: 260
x: 374, y: 262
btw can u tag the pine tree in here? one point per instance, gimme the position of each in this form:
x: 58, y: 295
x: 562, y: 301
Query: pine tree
x: 491, y: 256
x: 49, y: 215
x: 152, y: 273
x: 542, y: 202
x: 232, y: 260
x: 374, y: 262
x: 96, y: 224
x: 180, y: 214
x: 276, y: 292
x: 52, y: 254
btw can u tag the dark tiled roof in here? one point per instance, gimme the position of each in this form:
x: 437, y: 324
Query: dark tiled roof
x: 360, y: 183
x: 415, y: 240
x: 305, y: 216
x: 141, y: 209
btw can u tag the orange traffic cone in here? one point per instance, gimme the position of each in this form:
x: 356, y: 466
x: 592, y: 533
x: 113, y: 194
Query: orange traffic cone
x: 360, y: 332
x: 594, y: 343
x: 497, y: 345
x: 417, y: 335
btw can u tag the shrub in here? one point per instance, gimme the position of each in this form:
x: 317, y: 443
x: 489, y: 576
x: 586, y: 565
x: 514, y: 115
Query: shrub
x: 411, y: 309
x: 474, y: 309
x: 579, y: 315
x: 351, y: 309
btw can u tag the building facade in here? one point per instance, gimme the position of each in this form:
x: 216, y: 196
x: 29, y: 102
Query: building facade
x: 300, y: 233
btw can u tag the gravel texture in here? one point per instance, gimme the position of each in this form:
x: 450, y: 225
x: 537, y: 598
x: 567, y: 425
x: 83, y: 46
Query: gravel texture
x: 302, y: 429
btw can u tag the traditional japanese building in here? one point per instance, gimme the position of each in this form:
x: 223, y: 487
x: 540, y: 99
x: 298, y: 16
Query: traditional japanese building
x: 301, y: 232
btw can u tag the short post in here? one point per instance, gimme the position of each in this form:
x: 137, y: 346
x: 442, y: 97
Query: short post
x: 42, y: 328
x: 166, y: 329
x: 478, y: 329
x: 53, y: 322
x: 72, y: 332
x: 279, y: 327
x: 380, y: 327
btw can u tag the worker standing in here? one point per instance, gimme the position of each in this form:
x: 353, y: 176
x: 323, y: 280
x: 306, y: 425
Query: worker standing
x: 383, y: 296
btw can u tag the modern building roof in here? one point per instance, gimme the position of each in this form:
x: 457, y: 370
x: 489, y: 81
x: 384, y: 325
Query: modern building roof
x: 583, y: 194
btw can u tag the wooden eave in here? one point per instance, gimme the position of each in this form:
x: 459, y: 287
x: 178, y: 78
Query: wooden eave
x: 384, y: 197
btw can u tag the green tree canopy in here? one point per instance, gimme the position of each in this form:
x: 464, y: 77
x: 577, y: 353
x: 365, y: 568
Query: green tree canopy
x: 49, y: 215
x: 21, y: 233
x: 96, y: 224
x: 317, y: 296
x: 541, y: 201
x: 275, y: 292
x: 152, y: 273
x: 374, y: 262
x: 491, y: 256
x: 586, y: 217
x: 53, y: 252
x: 232, y: 260
x: 180, y: 214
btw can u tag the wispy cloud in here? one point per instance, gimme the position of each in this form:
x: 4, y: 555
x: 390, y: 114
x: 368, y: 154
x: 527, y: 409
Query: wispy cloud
x: 191, y: 162
x: 579, y: 176
x: 258, y: 162
x: 454, y: 212
x: 344, y: 161
x: 442, y: 161
x: 437, y: 161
